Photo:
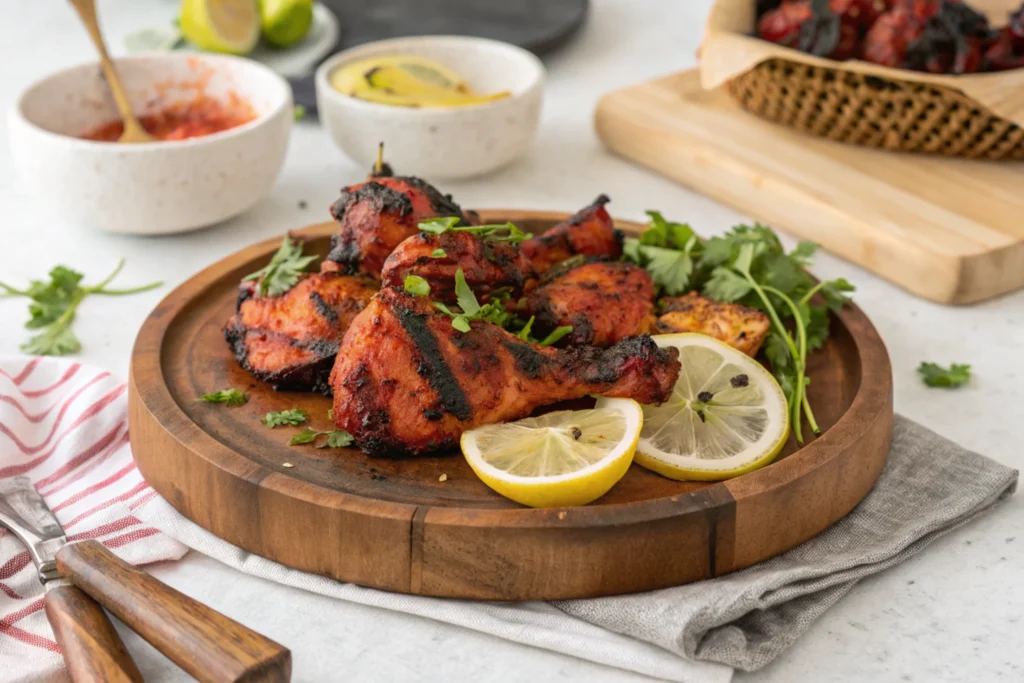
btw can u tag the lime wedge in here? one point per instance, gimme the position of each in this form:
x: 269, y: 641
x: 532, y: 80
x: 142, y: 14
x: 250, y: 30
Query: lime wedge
x: 285, y: 22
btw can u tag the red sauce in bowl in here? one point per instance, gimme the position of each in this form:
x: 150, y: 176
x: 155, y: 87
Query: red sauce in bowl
x: 202, y: 116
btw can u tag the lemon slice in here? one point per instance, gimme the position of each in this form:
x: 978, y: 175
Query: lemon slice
x: 564, y: 458
x: 285, y: 22
x: 727, y: 415
x: 231, y: 26
x: 355, y: 74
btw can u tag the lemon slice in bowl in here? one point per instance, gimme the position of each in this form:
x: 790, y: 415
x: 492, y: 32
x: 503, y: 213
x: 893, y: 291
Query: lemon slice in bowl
x: 560, y: 459
x: 231, y: 26
x: 727, y: 415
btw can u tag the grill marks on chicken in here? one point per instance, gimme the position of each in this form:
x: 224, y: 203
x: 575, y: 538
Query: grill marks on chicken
x: 407, y: 382
x: 741, y: 327
x: 290, y: 341
x: 376, y: 216
x: 589, y: 232
x: 604, y: 301
x: 486, y: 264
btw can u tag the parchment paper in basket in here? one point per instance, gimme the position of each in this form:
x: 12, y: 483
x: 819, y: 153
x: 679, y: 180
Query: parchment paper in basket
x: 729, y: 50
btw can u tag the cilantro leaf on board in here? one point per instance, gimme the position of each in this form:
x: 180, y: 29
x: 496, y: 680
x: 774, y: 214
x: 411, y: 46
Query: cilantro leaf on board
x: 337, y: 438
x: 934, y: 375
x: 292, y: 416
x: 229, y: 397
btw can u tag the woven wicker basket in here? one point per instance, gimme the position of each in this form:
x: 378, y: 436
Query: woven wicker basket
x: 859, y: 103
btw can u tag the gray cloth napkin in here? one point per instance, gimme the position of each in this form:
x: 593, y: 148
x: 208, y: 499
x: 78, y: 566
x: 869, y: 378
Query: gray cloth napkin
x: 700, y: 632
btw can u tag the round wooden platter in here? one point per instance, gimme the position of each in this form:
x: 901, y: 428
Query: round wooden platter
x: 393, y: 524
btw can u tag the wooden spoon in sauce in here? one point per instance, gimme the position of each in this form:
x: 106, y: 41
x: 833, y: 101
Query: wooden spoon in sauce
x: 133, y: 130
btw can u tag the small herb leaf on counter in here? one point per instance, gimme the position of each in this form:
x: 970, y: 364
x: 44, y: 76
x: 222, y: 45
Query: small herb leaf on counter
x: 934, y: 375
x: 284, y: 269
x: 53, y: 306
x: 229, y: 397
x: 292, y: 416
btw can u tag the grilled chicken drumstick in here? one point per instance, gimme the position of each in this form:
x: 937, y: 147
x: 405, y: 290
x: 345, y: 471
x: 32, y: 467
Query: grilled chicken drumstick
x: 375, y: 216
x: 486, y: 264
x: 603, y: 301
x: 290, y: 340
x: 741, y: 327
x: 407, y: 382
x: 590, y: 232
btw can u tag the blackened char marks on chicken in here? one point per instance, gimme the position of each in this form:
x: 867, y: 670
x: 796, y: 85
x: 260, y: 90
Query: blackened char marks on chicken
x: 433, y: 366
x: 290, y: 341
x: 376, y: 216
x: 443, y: 204
x: 603, y: 301
x: 486, y: 265
x: 399, y: 343
x: 590, y: 232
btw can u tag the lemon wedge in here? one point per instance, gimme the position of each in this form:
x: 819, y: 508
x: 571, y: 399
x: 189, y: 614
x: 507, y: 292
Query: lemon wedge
x: 727, y: 415
x: 231, y: 26
x: 561, y: 459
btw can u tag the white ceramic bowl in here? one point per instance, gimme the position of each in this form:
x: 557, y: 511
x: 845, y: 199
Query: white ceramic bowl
x: 452, y: 142
x: 157, y: 187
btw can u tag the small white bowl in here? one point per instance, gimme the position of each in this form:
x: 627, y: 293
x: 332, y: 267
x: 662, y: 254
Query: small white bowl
x: 450, y: 142
x: 155, y: 187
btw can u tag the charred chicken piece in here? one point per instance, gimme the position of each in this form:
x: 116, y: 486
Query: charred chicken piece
x: 408, y: 383
x: 741, y: 327
x: 604, y: 301
x: 376, y: 216
x: 290, y: 340
x: 486, y: 264
x: 589, y: 232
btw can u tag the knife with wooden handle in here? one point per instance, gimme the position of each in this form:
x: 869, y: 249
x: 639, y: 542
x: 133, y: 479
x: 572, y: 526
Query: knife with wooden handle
x: 205, y: 643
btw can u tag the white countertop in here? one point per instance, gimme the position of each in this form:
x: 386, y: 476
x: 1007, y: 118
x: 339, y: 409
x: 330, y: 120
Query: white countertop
x: 952, y: 613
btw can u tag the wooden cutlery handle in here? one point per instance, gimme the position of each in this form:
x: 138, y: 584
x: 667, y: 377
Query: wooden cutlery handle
x: 202, y: 641
x: 91, y: 647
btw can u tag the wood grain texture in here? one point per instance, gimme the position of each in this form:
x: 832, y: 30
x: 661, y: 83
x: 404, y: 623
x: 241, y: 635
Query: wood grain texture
x: 205, y: 643
x: 391, y: 524
x: 945, y: 229
x: 92, y: 650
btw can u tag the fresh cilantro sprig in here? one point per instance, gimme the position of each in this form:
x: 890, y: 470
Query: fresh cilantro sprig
x: 470, y: 309
x: 284, y: 269
x: 54, y: 304
x: 956, y: 375
x: 337, y: 438
x: 748, y: 265
x: 229, y: 397
x: 669, y: 251
x: 505, y: 232
x: 292, y: 416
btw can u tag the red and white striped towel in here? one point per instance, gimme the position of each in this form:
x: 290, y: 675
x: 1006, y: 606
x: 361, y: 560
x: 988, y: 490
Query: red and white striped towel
x: 65, y: 426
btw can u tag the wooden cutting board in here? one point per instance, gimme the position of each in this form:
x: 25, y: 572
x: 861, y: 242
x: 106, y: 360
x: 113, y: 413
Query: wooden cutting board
x: 394, y: 524
x: 949, y: 230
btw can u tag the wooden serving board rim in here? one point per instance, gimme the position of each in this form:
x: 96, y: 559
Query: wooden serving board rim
x: 871, y: 403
